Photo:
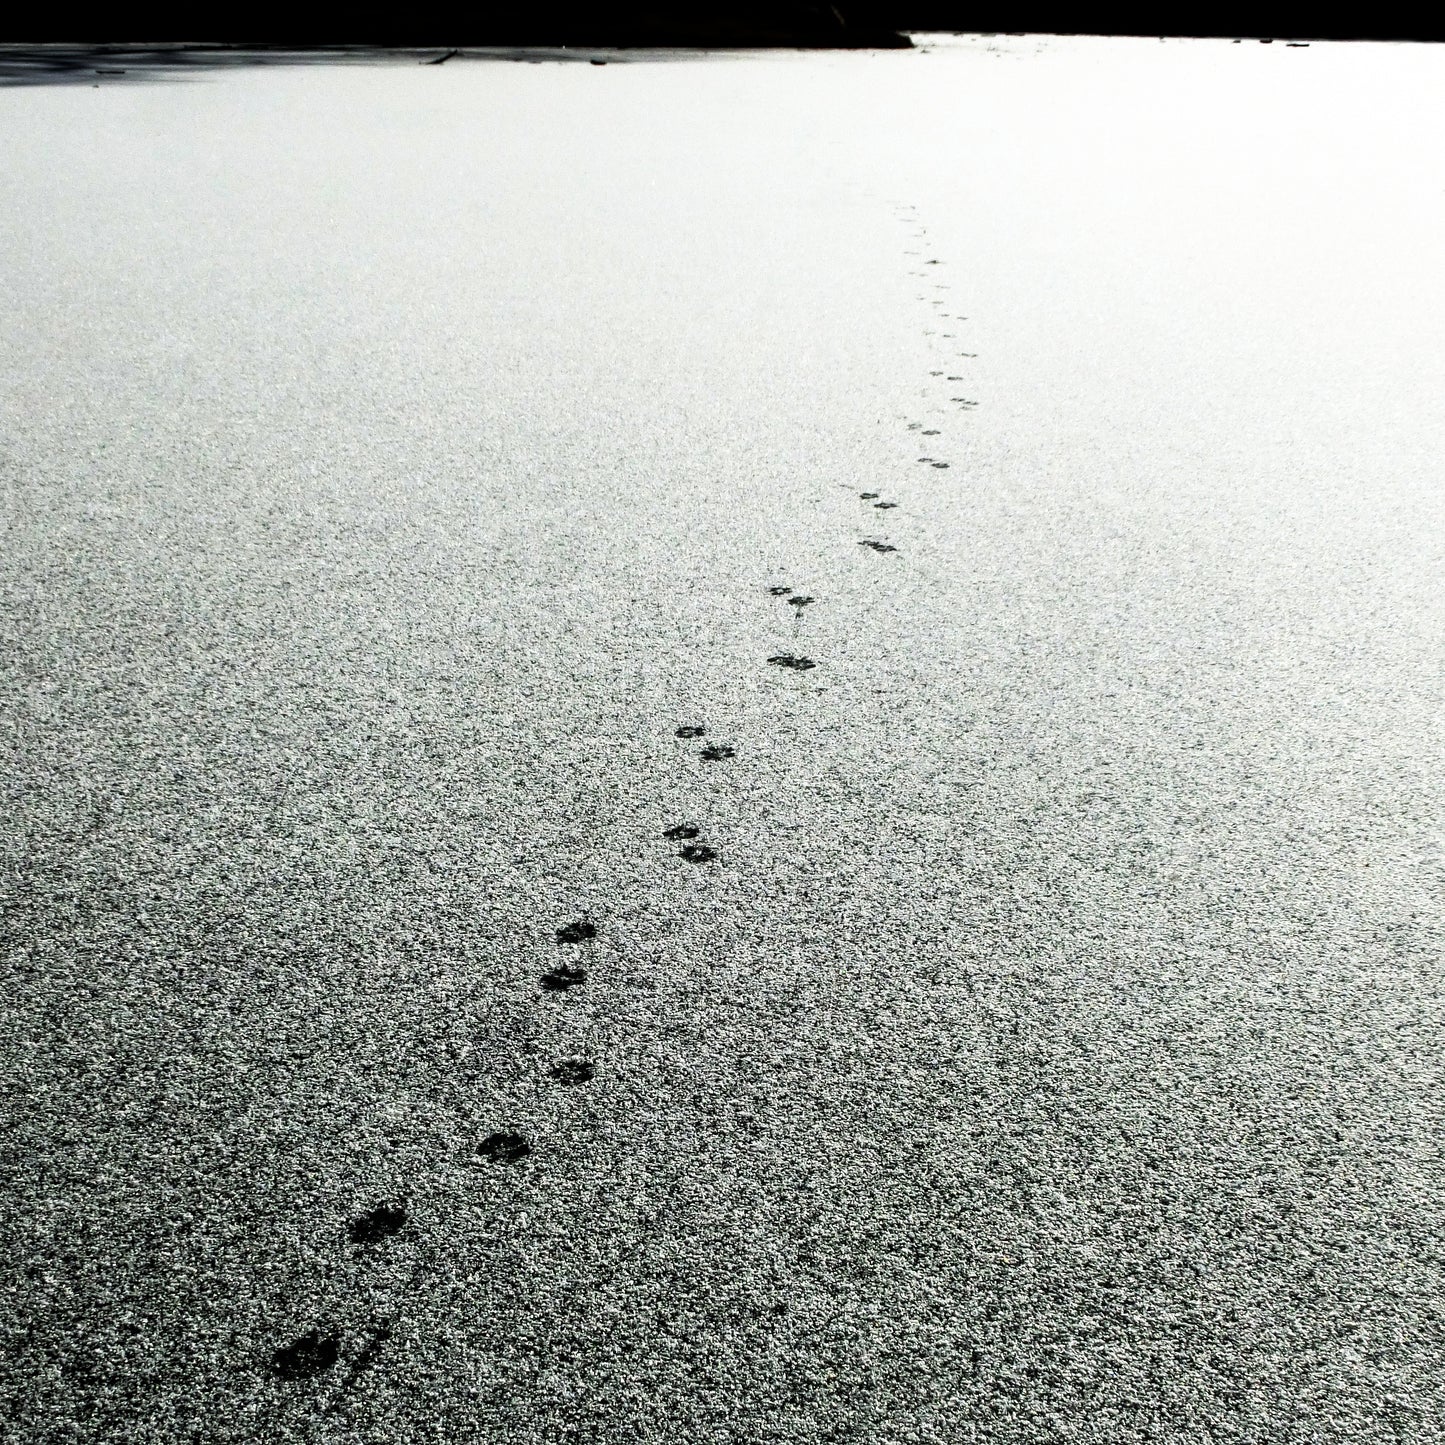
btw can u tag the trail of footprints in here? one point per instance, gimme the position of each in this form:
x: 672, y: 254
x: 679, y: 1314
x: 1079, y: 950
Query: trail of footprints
x: 316, y: 1352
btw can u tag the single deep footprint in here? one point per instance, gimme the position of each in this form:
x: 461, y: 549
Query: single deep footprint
x: 780, y: 591
x: 691, y: 731
x: 879, y: 546
x: 381, y: 1223
x: 798, y: 664
x: 942, y: 466
x: 503, y: 1148
x: 680, y: 832
x: 799, y: 601
x: 868, y: 496
x: 884, y: 506
x: 573, y: 1071
x: 562, y: 978
x: 303, y: 1359
x: 579, y: 932
x: 933, y: 433
x: 697, y: 853
x: 717, y: 752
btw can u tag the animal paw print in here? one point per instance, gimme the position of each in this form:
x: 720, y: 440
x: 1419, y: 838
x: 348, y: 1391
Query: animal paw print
x: 779, y: 591
x: 305, y: 1358
x: 379, y: 1224
x: 580, y: 932
x: 503, y: 1148
x: 694, y: 852
x: 691, y: 730
x: 560, y: 979
x: 799, y: 601
x: 718, y: 752
x: 574, y: 1071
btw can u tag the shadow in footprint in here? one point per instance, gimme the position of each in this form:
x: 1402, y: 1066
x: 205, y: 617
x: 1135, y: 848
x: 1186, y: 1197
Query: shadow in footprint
x: 503, y: 1148
x: 879, y: 546
x: 716, y: 752
x: 565, y: 977
x: 304, y: 1359
x: 691, y: 731
x: 679, y: 832
x: 798, y: 664
x: 381, y: 1223
x: 579, y: 932
x: 697, y: 853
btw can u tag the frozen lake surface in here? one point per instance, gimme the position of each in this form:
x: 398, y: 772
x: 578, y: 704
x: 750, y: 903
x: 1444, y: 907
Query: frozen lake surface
x: 1024, y: 1024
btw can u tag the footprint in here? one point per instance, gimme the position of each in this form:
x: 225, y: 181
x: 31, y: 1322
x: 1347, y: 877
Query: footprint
x: 799, y: 601
x: 942, y: 466
x: 931, y: 433
x: 780, y: 591
x: 798, y: 664
x: 699, y: 852
x: 868, y: 496
x: 933, y: 263
x: 503, y: 1148
x: 381, y: 1223
x: 935, y: 373
x: 877, y: 547
x: 716, y: 752
x: 914, y: 425
x: 563, y: 978
x: 964, y: 400
x: 307, y: 1357
x: 692, y: 731
x: 579, y: 932
x: 925, y: 459
x: 573, y: 1071
x: 680, y: 831
x: 955, y: 378
x: 884, y: 506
